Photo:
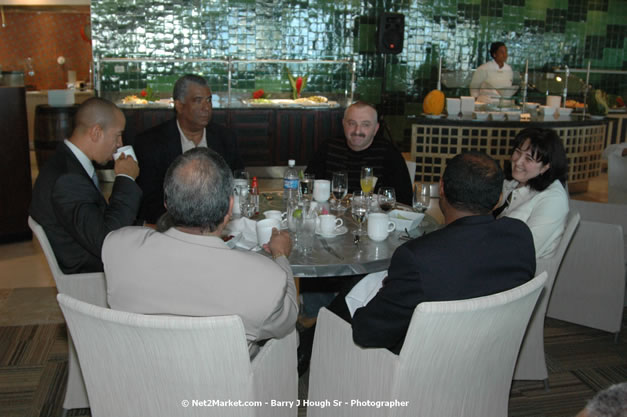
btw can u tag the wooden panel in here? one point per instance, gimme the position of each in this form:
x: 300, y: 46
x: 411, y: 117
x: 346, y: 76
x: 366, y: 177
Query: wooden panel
x: 15, y: 179
x: 295, y: 136
x: 255, y: 131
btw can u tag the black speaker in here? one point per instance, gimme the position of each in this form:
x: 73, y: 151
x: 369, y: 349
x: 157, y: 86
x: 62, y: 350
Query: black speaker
x: 390, y: 33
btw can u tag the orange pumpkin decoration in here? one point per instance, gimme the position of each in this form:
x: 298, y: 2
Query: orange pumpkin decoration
x: 433, y: 102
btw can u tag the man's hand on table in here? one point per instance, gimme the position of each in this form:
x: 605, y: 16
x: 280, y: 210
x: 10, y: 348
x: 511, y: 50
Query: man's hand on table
x: 280, y: 244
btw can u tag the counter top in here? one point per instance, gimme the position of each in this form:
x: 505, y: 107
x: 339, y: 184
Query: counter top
x: 549, y: 122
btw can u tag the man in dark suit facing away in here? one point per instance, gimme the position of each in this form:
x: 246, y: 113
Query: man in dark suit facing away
x: 67, y: 201
x: 472, y: 256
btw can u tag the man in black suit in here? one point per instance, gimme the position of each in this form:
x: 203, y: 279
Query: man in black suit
x: 473, y: 256
x: 67, y: 201
x: 192, y: 127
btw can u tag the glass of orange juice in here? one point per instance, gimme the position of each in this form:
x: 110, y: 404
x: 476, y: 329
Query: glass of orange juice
x: 367, y: 180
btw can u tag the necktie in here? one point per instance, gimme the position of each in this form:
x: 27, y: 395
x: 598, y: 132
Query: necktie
x: 499, y: 210
x: 94, y: 178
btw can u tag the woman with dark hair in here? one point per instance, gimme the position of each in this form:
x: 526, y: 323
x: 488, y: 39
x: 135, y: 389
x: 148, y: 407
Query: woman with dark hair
x: 534, y: 188
x: 488, y: 80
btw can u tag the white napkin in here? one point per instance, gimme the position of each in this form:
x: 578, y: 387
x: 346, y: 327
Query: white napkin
x: 364, y: 291
x: 247, y: 228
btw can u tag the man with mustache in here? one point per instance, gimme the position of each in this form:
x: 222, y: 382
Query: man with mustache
x: 359, y: 148
x: 362, y: 148
x: 192, y: 127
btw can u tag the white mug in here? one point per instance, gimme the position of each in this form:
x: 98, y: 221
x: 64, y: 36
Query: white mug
x: 328, y: 224
x: 264, y: 230
x: 126, y: 150
x: 379, y: 226
x: 453, y: 106
x: 275, y: 214
x: 467, y: 104
x: 322, y: 190
x: 553, y: 101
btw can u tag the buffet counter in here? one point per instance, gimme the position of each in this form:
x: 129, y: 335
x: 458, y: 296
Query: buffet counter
x: 436, y: 140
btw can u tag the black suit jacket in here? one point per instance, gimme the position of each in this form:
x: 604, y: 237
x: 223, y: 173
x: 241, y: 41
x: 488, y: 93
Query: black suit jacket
x: 159, y: 146
x: 75, y: 215
x: 471, y: 257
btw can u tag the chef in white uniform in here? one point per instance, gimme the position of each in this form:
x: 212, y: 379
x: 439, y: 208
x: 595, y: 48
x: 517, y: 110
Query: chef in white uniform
x: 492, y: 76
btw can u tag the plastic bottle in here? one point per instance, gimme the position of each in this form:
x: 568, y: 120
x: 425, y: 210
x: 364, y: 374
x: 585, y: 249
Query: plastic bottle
x: 254, y: 190
x: 290, y: 182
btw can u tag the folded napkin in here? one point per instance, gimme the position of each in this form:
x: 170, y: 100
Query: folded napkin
x: 364, y: 291
x: 247, y: 228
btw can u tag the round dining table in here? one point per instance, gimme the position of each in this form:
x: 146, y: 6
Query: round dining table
x: 344, y: 254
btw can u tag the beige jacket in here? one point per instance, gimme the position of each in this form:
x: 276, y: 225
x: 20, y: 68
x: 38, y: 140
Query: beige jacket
x: 183, y: 274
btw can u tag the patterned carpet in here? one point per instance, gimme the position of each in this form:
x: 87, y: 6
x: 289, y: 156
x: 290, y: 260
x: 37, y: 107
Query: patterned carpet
x: 582, y: 361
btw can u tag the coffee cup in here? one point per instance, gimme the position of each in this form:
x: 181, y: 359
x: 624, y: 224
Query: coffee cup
x: 322, y: 190
x: 379, y: 226
x: 328, y: 224
x: 467, y: 105
x: 126, y: 150
x: 275, y: 214
x: 264, y: 230
x: 453, y: 106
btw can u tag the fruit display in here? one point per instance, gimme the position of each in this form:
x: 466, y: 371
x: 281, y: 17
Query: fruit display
x: 597, y: 103
x: 434, y: 102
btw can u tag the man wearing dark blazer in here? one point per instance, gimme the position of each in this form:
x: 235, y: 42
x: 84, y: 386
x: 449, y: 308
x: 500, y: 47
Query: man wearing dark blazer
x: 67, y: 201
x: 473, y: 256
x: 192, y: 127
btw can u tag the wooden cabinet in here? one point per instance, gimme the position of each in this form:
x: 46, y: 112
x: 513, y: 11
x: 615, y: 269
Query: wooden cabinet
x: 265, y: 137
x: 15, y: 179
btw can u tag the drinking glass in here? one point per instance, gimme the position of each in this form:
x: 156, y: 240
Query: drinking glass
x: 247, y: 204
x: 241, y: 174
x: 367, y: 180
x: 306, y: 185
x: 422, y: 197
x: 359, y: 211
x: 387, y: 198
x: 339, y: 187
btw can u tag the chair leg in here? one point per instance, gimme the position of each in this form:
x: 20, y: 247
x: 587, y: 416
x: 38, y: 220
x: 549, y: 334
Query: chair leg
x: 616, y: 337
x: 64, y: 412
x: 546, y: 384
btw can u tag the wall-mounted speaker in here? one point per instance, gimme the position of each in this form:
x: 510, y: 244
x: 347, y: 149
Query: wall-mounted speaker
x: 390, y: 33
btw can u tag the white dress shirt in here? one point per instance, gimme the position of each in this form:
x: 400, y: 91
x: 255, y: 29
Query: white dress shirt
x: 187, y: 144
x: 543, y: 211
x: 82, y: 158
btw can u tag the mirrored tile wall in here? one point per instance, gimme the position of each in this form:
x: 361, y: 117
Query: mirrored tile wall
x: 547, y: 33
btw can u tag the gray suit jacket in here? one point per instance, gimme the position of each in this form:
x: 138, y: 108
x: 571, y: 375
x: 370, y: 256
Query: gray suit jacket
x: 178, y: 273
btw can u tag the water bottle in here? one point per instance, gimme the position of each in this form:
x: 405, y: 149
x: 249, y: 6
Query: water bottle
x: 290, y: 182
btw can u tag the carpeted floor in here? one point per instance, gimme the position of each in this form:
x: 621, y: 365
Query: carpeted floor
x: 582, y: 361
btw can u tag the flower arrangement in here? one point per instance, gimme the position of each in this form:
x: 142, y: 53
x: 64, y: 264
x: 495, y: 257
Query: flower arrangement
x: 298, y: 84
x: 148, y: 94
x: 260, y: 94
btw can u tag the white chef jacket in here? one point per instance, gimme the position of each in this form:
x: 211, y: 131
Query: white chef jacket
x: 488, y: 78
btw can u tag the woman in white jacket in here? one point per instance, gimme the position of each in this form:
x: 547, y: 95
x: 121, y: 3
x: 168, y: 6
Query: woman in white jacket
x: 534, y: 189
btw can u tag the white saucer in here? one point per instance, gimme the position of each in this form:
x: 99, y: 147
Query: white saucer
x: 339, y: 231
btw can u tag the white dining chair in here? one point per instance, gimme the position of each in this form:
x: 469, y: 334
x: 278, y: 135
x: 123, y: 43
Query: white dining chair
x: 531, y: 362
x: 162, y: 366
x: 617, y: 178
x: 457, y: 360
x: 89, y: 287
x: 590, y: 286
